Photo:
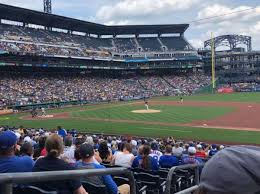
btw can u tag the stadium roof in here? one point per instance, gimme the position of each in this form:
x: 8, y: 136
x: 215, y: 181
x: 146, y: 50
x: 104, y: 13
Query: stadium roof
x: 51, y: 20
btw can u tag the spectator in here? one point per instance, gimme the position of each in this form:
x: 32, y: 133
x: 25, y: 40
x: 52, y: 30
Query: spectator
x: 144, y: 160
x: 134, y: 147
x: 168, y: 160
x: 69, y: 150
x: 40, y: 148
x: 87, y: 154
x: 105, y: 153
x: 213, y: 150
x: 54, y: 147
x: 191, y: 158
x: 232, y: 170
x: 61, y: 132
x: 200, y: 153
x: 155, y: 153
x: 8, y: 161
x: 177, y: 150
x: 26, y: 149
x: 124, y: 158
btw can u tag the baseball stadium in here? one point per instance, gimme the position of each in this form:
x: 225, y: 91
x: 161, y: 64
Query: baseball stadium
x: 95, y: 86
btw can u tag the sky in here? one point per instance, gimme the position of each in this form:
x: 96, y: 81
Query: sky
x: 123, y: 12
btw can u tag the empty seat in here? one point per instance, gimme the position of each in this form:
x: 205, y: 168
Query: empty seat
x: 92, y: 188
x: 152, y: 182
x: 33, y: 190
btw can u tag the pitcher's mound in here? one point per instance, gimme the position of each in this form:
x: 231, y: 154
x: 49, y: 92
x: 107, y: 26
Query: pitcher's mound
x: 146, y: 111
x: 46, y: 116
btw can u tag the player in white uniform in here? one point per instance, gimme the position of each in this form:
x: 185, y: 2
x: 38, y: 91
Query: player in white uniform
x: 181, y: 99
x: 146, y: 105
x: 43, y: 111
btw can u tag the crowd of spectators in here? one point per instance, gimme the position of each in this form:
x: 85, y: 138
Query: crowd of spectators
x: 29, y: 149
x: 23, y: 89
x: 25, y: 40
x: 227, y: 169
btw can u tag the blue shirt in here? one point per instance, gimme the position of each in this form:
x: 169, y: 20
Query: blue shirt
x: 62, y: 133
x: 212, y: 152
x: 191, y: 160
x: 106, y: 179
x: 167, y: 161
x: 153, y: 164
x: 16, y: 164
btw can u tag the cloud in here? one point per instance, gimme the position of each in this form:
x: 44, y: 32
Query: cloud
x: 244, y: 23
x: 130, y: 9
x: 227, y: 14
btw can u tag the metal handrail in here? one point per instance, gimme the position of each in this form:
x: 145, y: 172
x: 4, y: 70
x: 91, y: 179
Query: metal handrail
x: 182, y: 167
x: 8, y: 179
x: 189, y: 190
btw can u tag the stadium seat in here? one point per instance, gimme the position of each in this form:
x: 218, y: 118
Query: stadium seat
x: 120, y: 180
x: 152, y: 182
x: 92, y: 188
x: 32, y: 190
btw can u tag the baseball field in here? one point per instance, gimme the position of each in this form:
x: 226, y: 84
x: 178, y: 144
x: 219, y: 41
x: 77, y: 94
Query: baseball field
x: 222, y: 118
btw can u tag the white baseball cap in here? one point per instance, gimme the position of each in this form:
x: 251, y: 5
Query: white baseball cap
x: 27, y: 139
x: 192, y: 150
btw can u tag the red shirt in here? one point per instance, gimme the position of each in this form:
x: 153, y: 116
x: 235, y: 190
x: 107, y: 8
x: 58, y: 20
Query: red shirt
x: 44, y: 152
x: 200, y: 154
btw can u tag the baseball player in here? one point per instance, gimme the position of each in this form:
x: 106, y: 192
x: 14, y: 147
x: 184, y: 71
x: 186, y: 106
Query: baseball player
x: 181, y: 99
x: 43, y: 111
x: 146, y: 105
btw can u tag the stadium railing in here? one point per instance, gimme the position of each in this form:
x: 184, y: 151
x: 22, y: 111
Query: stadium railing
x: 194, y: 167
x: 7, y: 180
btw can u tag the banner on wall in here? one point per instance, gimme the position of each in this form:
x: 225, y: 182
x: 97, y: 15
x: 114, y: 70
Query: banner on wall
x: 225, y: 90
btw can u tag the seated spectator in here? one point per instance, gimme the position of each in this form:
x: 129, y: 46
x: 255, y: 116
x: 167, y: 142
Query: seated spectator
x: 54, y: 147
x: 26, y: 149
x: 185, y: 150
x: 144, y: 160
x: 8, y: 161
x: 200, y: 153
x: 177, y: 150
x: 191, y: 158
x: 168, y: 160
x: 233, y: 170
x: 155, y: 153
x: 69, y: 150
x: 134, y: 147
x: 213, y: 150
x: 125, y: 157
x: 61, y: 132
x: 105, y: 153
x: 87, y: 154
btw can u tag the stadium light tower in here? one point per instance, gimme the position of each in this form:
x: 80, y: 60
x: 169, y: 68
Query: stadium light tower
x: 47, y: 6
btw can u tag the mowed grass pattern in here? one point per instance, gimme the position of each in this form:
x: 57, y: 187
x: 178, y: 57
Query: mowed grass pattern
x: 172, y: 114
x: 168, y: 114
x: 235, y: 97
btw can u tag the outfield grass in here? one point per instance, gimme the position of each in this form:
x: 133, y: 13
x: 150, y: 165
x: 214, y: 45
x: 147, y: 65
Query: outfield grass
x: 169, y: 114
x: 234, y: 97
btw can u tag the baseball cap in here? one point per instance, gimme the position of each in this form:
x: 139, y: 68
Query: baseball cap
x: 236, y: 166
x: 27, y: 139
x: 214, y: 146
x: 7, y: 140
x: 86, y: 150
x: 192, y: 150
x: 133, y: 142
x: 199, y: 146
